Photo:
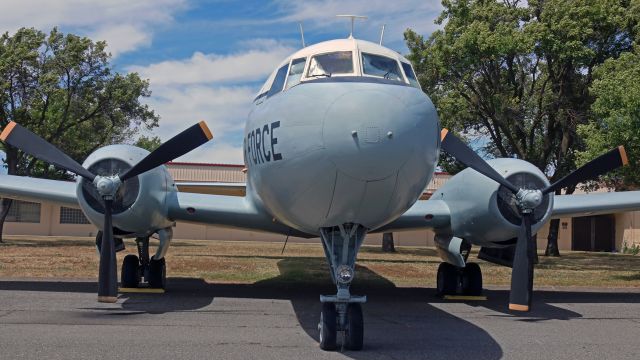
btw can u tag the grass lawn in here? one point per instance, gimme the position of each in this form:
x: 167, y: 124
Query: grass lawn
x: 252, y: 262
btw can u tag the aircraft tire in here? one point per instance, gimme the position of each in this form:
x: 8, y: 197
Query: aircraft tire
x: 447, y: 279
x: 472, y: 280
x: 354, y: 338
x: 157, y: 273
x: 130, y: 272
x: 327, y: 327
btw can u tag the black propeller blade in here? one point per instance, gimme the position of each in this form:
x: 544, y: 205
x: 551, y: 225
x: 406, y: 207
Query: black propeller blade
x: 528, y: 200
x: 604, y: 163
x: 107, y: 270
x: 177, y: 146
x: 459, y: 150
x: 25, y: 140
x: 17, y: 136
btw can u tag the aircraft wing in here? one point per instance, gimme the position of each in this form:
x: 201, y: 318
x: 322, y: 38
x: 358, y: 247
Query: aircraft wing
x: 595, y: 203
x: 424, y: 214
x: 213, y: 188
x: 33, y: 189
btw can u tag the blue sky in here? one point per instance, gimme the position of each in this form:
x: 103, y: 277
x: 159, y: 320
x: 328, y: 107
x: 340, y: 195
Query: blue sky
x: 206, y: 59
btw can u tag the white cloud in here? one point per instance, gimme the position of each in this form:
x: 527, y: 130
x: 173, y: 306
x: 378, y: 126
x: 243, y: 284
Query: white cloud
x: 249, y: 65
x: 213, y: 88
x: 398, y: 15
x: 125, y: 24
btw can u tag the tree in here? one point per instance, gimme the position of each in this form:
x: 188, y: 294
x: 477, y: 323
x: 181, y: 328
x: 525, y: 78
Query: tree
x: 148, y: 143
x: 517, y: 76
x: 62, y: 88
x: 616, y: 119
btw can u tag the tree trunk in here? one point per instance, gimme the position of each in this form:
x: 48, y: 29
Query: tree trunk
x: 387, y: 242
x: 552, y: 239
x: 6, y: 205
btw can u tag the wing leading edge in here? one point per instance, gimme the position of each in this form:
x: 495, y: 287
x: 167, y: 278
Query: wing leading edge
x: 595, y: 203
x: 37, y: 190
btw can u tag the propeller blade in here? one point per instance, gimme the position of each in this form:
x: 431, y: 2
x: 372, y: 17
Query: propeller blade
x: 602, y: 164
x: 25, y: 140
x: 107, y: 276
x: 522, y: 271
x: 459, y: 150
x: 177, y: 146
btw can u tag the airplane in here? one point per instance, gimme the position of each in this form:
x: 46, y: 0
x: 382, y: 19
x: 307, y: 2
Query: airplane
x: 340, y: 142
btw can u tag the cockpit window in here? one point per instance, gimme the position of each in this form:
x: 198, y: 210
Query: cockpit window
x: 327, y: 65
x: 410, y: 74
x: 382, y: 66
x: 278, y: 81
x: 295, y: 72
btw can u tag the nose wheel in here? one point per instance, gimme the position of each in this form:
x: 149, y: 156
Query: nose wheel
x: 341, y: 315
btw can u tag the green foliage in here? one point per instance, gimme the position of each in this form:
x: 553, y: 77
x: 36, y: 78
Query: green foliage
x: 634, y: 249
x: 518, y: 75
x: 61, y: 87
x: 616, y: 118
x: 148, y: 143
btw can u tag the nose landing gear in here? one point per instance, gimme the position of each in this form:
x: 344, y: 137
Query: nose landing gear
x: 342, y: 313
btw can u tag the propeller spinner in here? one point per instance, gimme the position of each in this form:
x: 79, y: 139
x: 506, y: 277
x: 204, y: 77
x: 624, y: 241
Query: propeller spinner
x: 107, y: 186
x: 528, y: 200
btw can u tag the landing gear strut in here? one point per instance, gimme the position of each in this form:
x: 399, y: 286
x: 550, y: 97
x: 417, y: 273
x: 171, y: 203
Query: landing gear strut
x: 342, y: 313
x: 152, y: 269
x: 452, y: 280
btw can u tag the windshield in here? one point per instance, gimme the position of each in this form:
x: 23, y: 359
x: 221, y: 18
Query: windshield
x: 410, y: 75
x: 339, y: 62
x: 381, y: 66
x: 295, y: 72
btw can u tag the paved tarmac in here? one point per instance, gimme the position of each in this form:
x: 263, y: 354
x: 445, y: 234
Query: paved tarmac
x: 60, y: 319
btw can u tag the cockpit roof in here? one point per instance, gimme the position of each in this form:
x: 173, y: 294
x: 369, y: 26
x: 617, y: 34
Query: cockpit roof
x: 345, y: 45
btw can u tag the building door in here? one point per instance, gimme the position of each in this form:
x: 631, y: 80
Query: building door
x: 593, y: 233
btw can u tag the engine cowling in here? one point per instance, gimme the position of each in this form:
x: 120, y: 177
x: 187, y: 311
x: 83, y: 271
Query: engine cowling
x: 140, y: 205
x: 483, y: 212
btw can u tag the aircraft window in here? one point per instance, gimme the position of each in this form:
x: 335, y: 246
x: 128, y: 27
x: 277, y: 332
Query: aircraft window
x: 339, y: 62
x: 382, y: 66
x: 278, y: 81
x: 295, y: 72
x: 410, y: 74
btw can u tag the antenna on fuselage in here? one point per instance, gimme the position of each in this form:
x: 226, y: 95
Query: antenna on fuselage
x: 353, y: 18
x: 302, y: 34
x: 382, y: 33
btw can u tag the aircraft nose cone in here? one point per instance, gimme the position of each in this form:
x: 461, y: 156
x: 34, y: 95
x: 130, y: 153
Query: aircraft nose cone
x: 369, y: 134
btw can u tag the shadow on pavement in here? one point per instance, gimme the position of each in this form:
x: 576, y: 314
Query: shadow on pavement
x: 400, y: 322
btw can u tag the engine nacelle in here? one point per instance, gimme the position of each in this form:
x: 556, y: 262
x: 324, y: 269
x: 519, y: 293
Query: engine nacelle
x: 485, y: 213
x: 140, y: 206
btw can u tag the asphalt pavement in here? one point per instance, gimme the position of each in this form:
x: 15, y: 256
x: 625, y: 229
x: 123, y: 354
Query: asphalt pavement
x: 60, y: 319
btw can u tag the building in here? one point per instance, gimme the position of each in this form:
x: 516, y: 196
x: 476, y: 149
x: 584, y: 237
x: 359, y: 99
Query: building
x: 594, y: 233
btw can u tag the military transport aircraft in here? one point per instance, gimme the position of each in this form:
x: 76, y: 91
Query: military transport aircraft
x: 340, y: 142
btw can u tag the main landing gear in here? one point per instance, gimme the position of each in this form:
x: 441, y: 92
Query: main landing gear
x: 152, y: 269
x: 453, y: 280
x: 342, y: 313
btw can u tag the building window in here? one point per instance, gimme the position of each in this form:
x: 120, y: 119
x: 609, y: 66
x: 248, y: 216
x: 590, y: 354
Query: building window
x: 24, y: 211
x: 72, y: 216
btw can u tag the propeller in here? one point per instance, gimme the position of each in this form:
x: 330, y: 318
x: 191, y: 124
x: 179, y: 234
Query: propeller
x: 107, y: 186
x: 528, y: 200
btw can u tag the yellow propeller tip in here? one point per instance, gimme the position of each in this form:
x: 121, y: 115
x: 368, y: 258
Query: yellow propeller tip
x: 517, y: 307
x: 205, y: 130
x: 623, y: 155
x: 443, y: 134
x: 7, y: 130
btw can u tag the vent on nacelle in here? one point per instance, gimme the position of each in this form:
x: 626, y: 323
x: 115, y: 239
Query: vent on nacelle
x: 507, y: 203
x: 127, y: 193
